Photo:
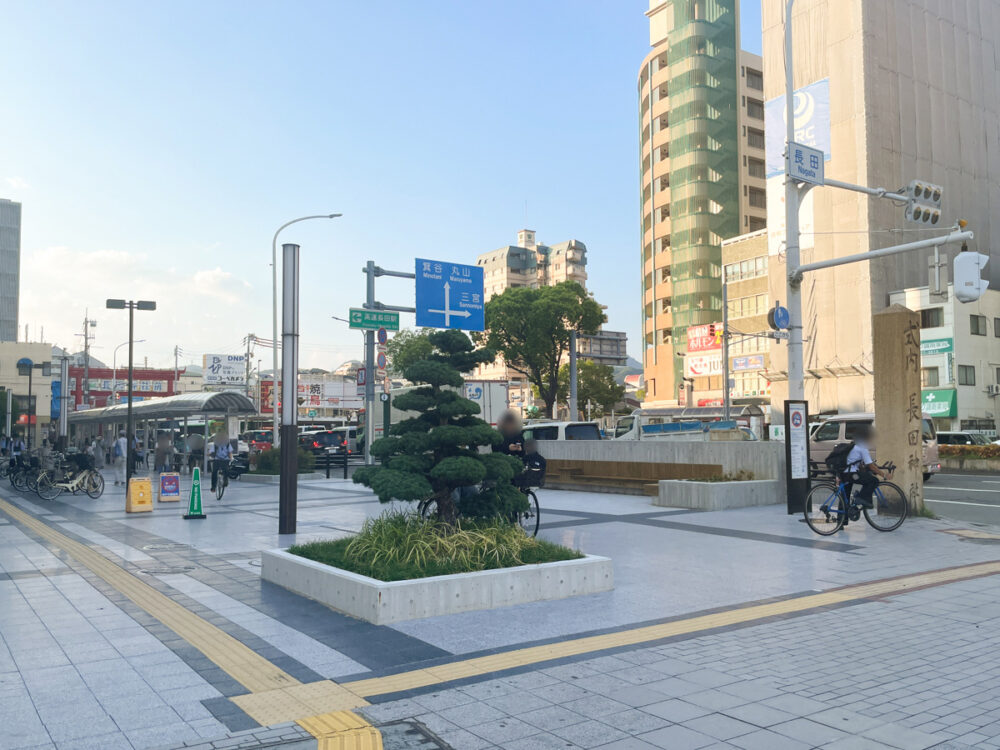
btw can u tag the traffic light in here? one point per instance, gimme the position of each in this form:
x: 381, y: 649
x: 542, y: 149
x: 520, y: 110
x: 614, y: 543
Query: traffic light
x: 969, y: 284
x: 924, y: 203
x: 711, y: 330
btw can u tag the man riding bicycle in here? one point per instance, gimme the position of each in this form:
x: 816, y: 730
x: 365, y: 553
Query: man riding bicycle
x: 860, y: 466
x: 222, y: 453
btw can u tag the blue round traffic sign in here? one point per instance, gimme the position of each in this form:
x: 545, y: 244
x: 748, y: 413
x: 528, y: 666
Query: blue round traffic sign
x: 382, y: 336
x: 781, y: 317
x: 381, y: 361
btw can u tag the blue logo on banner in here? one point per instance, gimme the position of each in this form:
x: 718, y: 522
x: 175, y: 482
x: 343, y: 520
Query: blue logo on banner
x: 812, y: 124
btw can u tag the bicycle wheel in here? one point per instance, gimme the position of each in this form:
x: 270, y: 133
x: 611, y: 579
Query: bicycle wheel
x: 31, y: 481
x: 824, y: 509
x: 46, y: 487
x: 890, y: 507
x: 17, y: 480
x: 94, y: 485
x: 531, y: 518
x: 220, y: 487
x: 428, y: 510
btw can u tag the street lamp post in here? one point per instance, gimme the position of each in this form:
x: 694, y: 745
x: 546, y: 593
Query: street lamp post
x: 26, y: 367
x: 114, y: 371
x: 274, y: 307
x: 132, y: 306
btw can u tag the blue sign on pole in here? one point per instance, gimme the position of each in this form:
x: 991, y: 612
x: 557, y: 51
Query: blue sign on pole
x: 449, y: 295
x: 812, y: 124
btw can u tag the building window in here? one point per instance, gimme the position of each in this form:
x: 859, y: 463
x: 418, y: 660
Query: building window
x: 932, y: 317
x: 757, y: 223
x: 756, y: 167
x: 977, y: 325
x: 996, y: 327
x: 755, y: 138
x: 755, y: 109
x: 929, y: 377
x: 758, y: 198
x: 998, y: 376
x: 755, y: 79
x: 966, y: 375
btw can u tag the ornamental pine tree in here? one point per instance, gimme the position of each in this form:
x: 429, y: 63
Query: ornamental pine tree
x: 435, y: 455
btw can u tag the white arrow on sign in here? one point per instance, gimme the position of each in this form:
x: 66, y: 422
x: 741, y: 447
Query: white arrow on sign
x: 355, y: 316
x: 447, y: 304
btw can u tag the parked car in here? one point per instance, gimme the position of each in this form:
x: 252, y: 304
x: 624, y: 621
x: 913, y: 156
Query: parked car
x: 348, y: 441
x: 258, y: 440
x: 562, y: 431
x: 962, y: 438
x: 319, y: 441
x: 842, y: 428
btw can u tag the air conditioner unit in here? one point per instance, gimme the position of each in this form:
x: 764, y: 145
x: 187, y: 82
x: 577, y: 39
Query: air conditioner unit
x: 993, y: 390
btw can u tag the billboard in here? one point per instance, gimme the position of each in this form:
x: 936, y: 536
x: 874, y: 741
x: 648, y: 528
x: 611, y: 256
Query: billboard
x: 703, y: 365
x: 701, y: 338
x: 224, y: 369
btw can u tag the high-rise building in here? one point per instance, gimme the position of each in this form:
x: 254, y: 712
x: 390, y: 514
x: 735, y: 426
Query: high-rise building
x: 532, y: 264
x: 10, y: 267
x: 701, y: 113
x: 891, y: 91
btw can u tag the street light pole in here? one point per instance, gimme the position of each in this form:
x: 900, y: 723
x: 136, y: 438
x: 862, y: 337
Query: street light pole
x: 274, y: 310
x: 132, y: 306
x: 114, y: 371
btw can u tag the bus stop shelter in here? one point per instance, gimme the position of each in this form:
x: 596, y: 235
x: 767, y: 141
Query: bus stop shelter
x: 159, y: 412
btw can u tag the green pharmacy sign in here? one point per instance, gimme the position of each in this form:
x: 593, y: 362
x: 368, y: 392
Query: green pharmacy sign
x: 940, y: 403
x: 937, y: 346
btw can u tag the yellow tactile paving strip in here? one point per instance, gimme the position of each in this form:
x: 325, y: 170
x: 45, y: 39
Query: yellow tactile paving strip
x: 273, y: 692
x: 418, y: 678
x: 972, y: 534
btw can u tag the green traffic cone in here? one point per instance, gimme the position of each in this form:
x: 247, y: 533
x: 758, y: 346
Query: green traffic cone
x: 194, y: 503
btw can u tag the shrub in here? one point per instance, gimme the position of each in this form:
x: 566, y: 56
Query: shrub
x: 269, y: 461
x: 399, y: 546
x: 430, y: 456
x: 970, y: 451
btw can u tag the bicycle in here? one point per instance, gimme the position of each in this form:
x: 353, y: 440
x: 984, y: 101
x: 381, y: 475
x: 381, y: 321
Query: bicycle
x: 828, y: 508
x: 222, y: 477
x: 85, y: 478
x: 529, y: 520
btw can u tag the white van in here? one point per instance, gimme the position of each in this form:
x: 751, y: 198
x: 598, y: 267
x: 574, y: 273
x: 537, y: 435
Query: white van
x: 562, y: 431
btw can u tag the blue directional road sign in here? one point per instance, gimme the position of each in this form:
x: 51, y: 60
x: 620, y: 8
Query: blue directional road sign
x: 449, y: 295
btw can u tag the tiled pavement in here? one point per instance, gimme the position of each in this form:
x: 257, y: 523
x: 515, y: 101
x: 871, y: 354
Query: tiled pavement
x: 81, y: 666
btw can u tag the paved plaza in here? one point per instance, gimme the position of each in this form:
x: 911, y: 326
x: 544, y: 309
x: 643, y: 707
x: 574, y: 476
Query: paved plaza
x: 732, y: 629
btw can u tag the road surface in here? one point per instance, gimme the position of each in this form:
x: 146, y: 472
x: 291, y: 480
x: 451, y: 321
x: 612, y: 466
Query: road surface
x: 969, y: 497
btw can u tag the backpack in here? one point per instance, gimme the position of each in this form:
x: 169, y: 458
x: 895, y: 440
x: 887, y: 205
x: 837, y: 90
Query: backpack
x: 117, y: 450
x: 836, y: 462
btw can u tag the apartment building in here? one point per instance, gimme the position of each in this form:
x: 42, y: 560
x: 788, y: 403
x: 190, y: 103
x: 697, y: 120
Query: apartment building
x: 702, y: 167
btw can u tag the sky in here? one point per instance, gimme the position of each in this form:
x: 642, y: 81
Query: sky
x: 156, y: 148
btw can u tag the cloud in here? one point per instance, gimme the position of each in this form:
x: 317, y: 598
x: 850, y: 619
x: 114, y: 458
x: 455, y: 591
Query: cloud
x: 200, y: 309
x: 17, y: 183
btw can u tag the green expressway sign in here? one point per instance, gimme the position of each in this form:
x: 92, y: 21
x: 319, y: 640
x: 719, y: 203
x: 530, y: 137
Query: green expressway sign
x: 374, y: 319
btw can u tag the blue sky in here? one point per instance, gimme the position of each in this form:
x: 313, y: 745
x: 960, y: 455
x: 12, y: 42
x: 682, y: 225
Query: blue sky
x: 157, y: 146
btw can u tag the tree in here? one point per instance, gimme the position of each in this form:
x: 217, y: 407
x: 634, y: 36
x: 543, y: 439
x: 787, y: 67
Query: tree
x: 530, y: 328
x: 435, y: 455
x: 406, y: 347
x: 594, y: 383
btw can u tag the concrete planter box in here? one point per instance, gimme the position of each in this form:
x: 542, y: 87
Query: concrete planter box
x: 276, y: 478
x: 384, y: 602
x: 957, y: 463
x: 679, y: 493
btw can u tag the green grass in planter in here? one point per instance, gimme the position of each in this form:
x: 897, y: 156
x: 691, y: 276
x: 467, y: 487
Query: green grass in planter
x: 402, y: 546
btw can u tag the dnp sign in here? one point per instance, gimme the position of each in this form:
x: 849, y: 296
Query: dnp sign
x: 812, y: 124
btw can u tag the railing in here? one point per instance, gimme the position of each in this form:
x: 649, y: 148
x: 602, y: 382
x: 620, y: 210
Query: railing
x: 333, y: 459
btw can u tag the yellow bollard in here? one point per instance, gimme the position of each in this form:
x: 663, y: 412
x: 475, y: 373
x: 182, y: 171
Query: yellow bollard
x: 139, y: 497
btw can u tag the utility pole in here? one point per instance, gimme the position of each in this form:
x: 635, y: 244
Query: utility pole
x: 573, y: 411
x: 177, y: 351
x: 87, y: 325
x: 726, y: 395
x: 250, y: 340
x: 796, y: 374
x: 369, y: 365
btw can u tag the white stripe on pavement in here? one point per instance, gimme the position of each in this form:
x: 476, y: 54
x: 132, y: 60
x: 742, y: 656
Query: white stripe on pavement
x: 959, y: 502
x: 962, y: 489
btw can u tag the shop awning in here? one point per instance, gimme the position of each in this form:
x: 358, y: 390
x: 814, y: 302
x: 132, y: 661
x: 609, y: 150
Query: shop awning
x: 940, y: 402
x: 199, y: 404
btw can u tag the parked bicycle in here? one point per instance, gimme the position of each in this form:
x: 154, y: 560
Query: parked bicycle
x: 828, y: 508
x: 529, y: 520
x: 81, y: 477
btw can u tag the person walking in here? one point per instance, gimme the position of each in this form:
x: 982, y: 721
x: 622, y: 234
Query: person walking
x: 119, y: 454
x: 162, y: 458
x: 98, y: 446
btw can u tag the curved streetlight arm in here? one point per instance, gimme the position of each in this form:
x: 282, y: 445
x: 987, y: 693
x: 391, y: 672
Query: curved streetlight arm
x: 114, y: 368
x: 274, y: 300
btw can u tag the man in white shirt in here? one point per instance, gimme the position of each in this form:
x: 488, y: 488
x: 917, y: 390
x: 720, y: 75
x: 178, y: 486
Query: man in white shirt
x: 861, y: 464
